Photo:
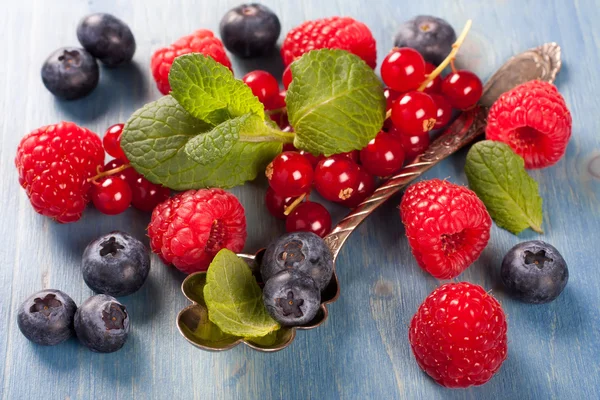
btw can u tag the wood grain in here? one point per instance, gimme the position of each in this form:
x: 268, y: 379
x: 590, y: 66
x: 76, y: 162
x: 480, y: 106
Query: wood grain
x: 362, y: 351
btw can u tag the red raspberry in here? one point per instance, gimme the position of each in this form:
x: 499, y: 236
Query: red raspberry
x: 202, y: 41
x: 447, y: 226
x: 189, y: 229
x: 458, y: 335
x: 330, y: 33
x: 54, y: 163
x: 533, y: 119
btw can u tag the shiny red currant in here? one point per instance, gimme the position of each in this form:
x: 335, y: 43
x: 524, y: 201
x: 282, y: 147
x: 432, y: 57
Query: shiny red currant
x: 276, y: 204
x: 112, y: 142
x: 366, y: 187
x: 390, y: 96
x: 414, y: 145
x: 313, y: 160
x: 435, y: 86
x: 263, y: 84
x: 444, y: 111
x: 403, y: 69
x: 383, y: 155
x: 286, y: 79
x: 111, y: 195
x: 414, y: 113
x: 146, y: 195
x: 462, y: 89
x: 129, y: 175
x: 309, y: 217
x: 290, y: 174
x: 275, y: 102
x: 336, y: 177
x: 354, y: 155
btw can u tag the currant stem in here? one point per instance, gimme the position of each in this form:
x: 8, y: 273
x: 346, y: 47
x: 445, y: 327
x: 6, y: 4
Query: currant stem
x: 450, y: 58
x: 275, y: 135
x: 291, y: 207
x: 108, y: 173
x: 276, y: 111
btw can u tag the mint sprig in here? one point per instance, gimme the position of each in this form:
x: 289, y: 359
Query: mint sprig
x: 335, y: 102
x: 155, y: 139
x: 212, y: 131
x: 499, y: 178
x: 234, y: 299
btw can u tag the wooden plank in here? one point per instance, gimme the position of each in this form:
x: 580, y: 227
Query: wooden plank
x: 362, y: 351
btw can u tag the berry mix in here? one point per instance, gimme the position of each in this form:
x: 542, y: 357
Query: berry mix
x: 323, y: 131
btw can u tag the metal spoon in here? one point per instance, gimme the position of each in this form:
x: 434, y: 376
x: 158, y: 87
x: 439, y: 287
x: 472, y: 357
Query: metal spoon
x: 541, y: 63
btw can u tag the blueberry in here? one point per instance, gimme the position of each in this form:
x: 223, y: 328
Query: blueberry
x: 534, y: 272
x: 102, y: 324
x: 107, y: 38
x: 46, y: 317
x: 292, y: 298
x: 250, y: 30
x: 300, y: 251
x: 70, y: 73
x: 116, y: 264
x: 431, y: 36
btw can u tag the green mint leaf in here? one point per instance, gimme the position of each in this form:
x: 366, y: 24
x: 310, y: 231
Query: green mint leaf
x: 154, y: 140
x: 218, y: 142
x: 335, y: 102
x: 209, y: 91
x: 234, y: 299
x: 499, y: 178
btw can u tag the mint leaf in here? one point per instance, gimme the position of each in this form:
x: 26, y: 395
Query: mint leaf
x: 154, y: 141
x: 335, y: 102
x: 218, y: 142
x: 234, y: 299
x: 209, y: 91
x: 499, y: 178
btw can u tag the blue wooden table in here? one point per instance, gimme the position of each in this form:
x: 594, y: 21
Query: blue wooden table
x: 362, y: 351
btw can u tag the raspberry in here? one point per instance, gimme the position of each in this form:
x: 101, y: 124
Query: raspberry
x: 54, y: 163
x: 202, y: 41
x: 458, y: 335
x: 447, y: 226
x: 330, y: 33
x: 533, y: 119
x: 189, y: 229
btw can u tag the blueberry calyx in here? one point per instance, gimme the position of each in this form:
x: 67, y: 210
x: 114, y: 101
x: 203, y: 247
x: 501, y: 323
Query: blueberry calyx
x: 538, y: 258
x: 70, y: 58
x: 45, y: 305
x: 292, y: 254
x: 290, y: 306
x: 110, y: 246
x: 114, y: 317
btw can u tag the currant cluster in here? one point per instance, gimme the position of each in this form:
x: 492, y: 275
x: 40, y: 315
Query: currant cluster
x: 419, y: 99
x: 117, y: 185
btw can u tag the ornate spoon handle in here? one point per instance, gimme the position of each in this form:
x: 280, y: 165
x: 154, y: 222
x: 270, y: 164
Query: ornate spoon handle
x: 542, y: 62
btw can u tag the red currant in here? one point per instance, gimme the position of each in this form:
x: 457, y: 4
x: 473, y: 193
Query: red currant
x: 276, y: 204
x: 309, y: 217
x: 414, y: 113
x: 403, y: 69
x: 390, y: 97
x: 366, y: 187
x: 289, y: 147
x: 444, y: 111
x: 462, y: 89
x: 414, y: 145
x: 336, y: 177
x: 287, y: 77
x: 435, y: 86
x: 263, y: 84
x: 354, y: 155
x: 313, y: 160
x: 129, y: 175
x: 112, y: 141
x: 383, y: 155
x: 290, y: 174
x: 145, y: 195
x: 111, y: 195
x: 275, y: 102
